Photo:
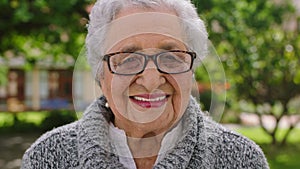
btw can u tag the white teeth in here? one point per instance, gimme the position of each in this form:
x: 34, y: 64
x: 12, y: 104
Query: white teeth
x: 149, y: 100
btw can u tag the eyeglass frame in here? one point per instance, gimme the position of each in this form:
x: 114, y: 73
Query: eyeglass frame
x: 153, y: 57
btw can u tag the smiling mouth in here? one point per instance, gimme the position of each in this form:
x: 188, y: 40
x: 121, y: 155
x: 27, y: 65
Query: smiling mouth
x: 150, y: 100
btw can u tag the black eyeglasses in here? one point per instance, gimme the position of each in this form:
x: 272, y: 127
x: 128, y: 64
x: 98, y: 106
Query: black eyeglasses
x: 132, y: 63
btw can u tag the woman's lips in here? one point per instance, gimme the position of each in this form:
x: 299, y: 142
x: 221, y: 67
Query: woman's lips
x: 150, y: 100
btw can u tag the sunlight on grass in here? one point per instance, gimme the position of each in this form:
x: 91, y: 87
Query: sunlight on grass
x: 258, y: 135
x: 7, y: 119
x: 283, y: 156
x: 255, y: 133
x: 33, y: 117
x: 278, y: 156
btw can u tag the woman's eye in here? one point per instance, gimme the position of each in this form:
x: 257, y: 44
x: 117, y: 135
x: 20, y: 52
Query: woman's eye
x: 128, y: 61
x: 171, y: 59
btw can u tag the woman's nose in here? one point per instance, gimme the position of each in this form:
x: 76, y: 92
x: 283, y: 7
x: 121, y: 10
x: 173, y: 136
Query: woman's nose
x: 151, y: 78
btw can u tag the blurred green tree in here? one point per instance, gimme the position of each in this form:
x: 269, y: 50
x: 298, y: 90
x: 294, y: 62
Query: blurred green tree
x: 259, y: 44
x: 41, y: 30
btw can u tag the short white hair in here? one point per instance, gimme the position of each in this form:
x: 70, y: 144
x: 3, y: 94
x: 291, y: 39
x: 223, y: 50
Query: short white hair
x: 104, y: 12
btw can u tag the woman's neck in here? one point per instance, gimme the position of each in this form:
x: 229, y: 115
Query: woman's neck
x: 145, y: 163
x: 145, y: 150
x: 144, y: 143
x: 146, y: 146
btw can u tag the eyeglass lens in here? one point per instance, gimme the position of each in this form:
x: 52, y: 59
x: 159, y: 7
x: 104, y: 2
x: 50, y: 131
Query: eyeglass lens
x: 168, y: 62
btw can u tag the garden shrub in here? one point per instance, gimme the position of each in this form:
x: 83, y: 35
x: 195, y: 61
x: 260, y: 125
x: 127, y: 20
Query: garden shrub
x: 58, y: 118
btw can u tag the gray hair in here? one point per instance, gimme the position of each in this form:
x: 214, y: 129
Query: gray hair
x: 104, y: 12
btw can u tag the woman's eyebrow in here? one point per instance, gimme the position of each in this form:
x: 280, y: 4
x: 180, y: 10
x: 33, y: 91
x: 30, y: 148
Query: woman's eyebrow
x: 169, y: 46
x: 130, y: 48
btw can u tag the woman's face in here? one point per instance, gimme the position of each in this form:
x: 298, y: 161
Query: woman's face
x: 150, y: 101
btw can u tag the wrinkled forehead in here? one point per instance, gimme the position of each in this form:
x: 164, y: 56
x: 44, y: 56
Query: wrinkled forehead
x: 143, y: 23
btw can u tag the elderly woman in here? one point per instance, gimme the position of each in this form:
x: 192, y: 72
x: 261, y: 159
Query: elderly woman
x: 142, y: 53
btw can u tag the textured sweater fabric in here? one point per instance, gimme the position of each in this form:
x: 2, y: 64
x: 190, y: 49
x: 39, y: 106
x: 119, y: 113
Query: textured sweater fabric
x: 86, y: 144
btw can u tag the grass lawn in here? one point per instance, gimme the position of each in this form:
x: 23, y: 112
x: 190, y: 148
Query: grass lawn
x: 7, y: 119
x: 287, y: 157
x: 35, y: 121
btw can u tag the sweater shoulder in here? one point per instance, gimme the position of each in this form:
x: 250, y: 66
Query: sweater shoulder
x: 231, y: 149
x: 57, y: 143
x: 221, y: 135
x: 63, y: 133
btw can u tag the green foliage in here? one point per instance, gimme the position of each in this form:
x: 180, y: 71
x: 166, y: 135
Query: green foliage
x: 260, y: 53
x: 58, y: 118
x: 35, y: 121
x: 3, y: 75
x: 40, y: 29
x: 230, y: 117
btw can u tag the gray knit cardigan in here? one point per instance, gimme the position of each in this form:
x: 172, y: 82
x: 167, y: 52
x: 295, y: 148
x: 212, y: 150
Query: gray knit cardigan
x: 86, y: 144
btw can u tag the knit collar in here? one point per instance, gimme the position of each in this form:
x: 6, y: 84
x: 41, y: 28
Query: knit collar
x: 97, y: 150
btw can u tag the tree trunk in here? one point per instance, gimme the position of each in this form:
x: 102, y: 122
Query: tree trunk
x: 284, y: 140
x: 273, y: 131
